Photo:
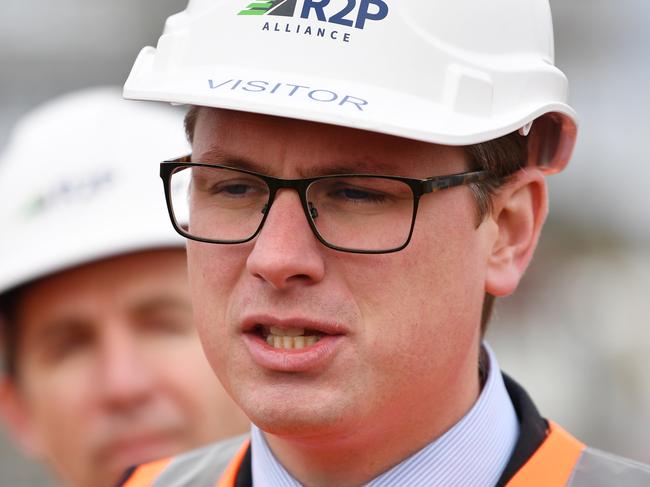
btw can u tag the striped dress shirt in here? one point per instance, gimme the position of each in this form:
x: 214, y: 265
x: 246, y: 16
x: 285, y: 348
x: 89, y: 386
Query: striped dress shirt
x: 474, y: 452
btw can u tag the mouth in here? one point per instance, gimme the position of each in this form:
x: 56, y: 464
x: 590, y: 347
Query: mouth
x: 290, y: 334
x: 291, y: 345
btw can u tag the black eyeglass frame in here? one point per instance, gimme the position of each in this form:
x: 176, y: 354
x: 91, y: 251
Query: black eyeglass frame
x: 418, y: 187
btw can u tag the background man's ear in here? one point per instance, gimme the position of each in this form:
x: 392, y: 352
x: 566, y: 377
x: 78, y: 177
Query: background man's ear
x: 14, y: 416
x: 519, y: 211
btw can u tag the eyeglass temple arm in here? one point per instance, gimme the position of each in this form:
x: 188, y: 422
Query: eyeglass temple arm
x: 430, y: 185
x: 444, y: 182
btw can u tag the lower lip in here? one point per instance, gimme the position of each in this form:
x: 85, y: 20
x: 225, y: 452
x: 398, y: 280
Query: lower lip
x: 292, y: 359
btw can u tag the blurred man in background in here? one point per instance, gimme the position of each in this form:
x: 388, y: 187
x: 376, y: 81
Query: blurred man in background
x: 103, y: 367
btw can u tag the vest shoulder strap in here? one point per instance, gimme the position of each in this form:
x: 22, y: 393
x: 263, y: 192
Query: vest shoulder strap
x: 146, y: 474
x: 229, y: 476
x: 203, y: 467
x: 561, y: 461
x: 553, y: 463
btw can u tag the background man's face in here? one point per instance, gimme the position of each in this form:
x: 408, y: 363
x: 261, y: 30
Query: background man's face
x: 406, y: 323
x: 111, y: 372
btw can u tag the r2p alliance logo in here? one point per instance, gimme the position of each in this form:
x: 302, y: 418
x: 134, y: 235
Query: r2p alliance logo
x: 347, y: 16
x: 289, y: 20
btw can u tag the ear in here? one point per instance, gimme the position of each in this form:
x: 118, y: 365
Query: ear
x: 519, y: 210
x: 14, y: 415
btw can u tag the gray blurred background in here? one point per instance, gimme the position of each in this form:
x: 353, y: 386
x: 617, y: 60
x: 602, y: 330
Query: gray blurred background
x: 577, y: 333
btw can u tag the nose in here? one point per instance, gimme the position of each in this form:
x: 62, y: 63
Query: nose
x: 286, y: 252
x: 125, y: 380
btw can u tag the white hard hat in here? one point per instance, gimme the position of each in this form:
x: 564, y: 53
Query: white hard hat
x: 79, y: 182
x: 450, y: 72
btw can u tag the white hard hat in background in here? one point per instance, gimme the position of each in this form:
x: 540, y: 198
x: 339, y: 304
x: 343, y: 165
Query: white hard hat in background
x: 79, y: 182
x: 450, y: 72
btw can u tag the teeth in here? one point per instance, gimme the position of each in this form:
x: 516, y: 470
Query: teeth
x: 289, y: 332
x: 287, y: 342
x: 290, y: 338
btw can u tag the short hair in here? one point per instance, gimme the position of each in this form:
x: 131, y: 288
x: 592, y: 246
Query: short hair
x: 9, y: 331
x: 502, y: 157
x: 190, y: 122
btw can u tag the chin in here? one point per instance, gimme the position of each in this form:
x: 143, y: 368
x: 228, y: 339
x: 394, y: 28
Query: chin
x: 296, y: 414
x: 299, y: 425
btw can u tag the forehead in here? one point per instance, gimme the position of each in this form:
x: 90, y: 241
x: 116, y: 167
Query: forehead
x: 94, y: 289
x: 220, y: 135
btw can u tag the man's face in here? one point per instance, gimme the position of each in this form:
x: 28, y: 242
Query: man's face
x: 110, y: 369
x: 399, y: 332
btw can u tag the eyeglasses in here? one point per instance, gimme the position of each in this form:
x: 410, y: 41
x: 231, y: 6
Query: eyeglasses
x: 359, y: 213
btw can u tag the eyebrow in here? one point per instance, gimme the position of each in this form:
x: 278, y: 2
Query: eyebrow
x: 62, y: 326
x: 216, y: 155
x: 365, y: 165
x: 156, y: 303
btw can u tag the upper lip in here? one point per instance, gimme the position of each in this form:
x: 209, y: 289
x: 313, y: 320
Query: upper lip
x: 322, y: 326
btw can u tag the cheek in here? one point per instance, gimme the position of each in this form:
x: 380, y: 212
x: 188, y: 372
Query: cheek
x: 207, y: 410
x: 192, y: 393
x: 424, y: 301
x: 58, y: 408
x: 59, y: 390
x: 213, y: 272
x: 451, y: 252
x: 436, y: 282
x: 199, y: 399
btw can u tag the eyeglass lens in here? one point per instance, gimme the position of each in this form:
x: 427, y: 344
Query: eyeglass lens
x: 351, y: 212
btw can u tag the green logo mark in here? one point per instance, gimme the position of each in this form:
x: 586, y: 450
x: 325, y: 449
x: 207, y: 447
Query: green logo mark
x: 284, y: 8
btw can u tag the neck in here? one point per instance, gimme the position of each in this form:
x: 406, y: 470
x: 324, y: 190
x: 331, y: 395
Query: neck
x: 382, y: 441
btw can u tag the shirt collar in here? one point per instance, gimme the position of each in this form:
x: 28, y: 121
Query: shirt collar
x: 473, y: 452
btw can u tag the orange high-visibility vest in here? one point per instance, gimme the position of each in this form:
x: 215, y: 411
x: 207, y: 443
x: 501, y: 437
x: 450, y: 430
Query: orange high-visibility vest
x: 552, y: 465
x: 555, y: 459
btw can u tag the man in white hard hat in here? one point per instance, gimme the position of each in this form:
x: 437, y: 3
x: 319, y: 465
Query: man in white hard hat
x: 365, y: 178
x: 104, y: 368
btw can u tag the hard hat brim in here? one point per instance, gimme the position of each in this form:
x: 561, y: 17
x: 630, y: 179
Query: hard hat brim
x: 339, y: 103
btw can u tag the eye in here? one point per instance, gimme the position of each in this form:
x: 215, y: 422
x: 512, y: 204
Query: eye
x: 360, y: 195
x: 243, y: 190
x: 166, y: 324
x: 164, y: 319
x: 358, y: 191
x: 69, y: 344
x: 346, y: 194
x: 236, y: 189
x: 66, y: 342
